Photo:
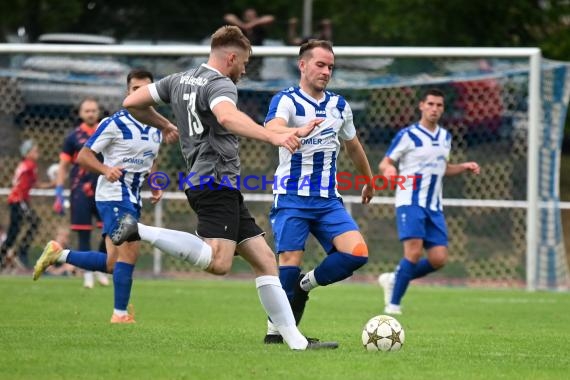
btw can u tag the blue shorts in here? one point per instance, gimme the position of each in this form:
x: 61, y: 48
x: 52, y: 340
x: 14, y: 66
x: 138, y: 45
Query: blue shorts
x: 83, y: 210
x: 415, y: 222
x: 292, y: 217
x: 111, y: 212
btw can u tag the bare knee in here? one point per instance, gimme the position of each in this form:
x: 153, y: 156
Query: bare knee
x: 218, y: 268
x: 220, y: 265
x: 413, y: 251
x: 437, y: 256
x: 438, y: 260
x: 360, y: 249
x: 291, y: 258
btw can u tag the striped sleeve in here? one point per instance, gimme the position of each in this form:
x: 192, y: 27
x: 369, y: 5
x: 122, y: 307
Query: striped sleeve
x: 399, y: 146
x: 103, y: 136
x: 279, y: 108
x: 348, y: 130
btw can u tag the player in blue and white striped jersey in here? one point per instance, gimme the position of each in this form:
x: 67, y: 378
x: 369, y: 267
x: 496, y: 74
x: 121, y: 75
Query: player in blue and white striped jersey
x: 422, y: 153
x: 306, y: 199
x: 129, y: 150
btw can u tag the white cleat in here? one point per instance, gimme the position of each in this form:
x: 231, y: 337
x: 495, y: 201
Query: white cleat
x: 88, y: 280
x: 102, y: 278
x: 386, y: 281
x: 393, y: 309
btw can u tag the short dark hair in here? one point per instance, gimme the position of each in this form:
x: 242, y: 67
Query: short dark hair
x: 432, y: 92
x: 87, y: 99
x: 139, y: 73
x: 308, y: 46
x: 230, y: 35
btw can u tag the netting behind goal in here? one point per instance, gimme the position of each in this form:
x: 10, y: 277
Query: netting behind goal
x: 486, y: 112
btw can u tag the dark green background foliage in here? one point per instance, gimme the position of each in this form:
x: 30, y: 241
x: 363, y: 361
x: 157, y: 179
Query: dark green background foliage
x: 365, y: 22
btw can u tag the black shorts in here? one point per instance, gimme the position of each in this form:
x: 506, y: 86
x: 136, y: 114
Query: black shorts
x: 222, y: 214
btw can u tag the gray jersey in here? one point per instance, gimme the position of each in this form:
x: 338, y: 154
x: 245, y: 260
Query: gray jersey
x: 209, y: 149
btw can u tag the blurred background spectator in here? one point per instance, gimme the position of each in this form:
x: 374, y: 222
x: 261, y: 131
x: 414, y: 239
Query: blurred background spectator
x: 254, y: 27
x: 323, y: 32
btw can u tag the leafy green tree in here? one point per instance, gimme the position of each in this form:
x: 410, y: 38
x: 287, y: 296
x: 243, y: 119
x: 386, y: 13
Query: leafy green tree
x: 39, y: 16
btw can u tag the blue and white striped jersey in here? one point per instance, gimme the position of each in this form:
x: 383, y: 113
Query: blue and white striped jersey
x: 125, y: 142
x: 422, y: 154
x: 311, y: 170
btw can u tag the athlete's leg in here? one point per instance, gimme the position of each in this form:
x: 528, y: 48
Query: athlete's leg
x: 271, y: 294
x: 16, y: 219
x: 127, y: 254
x: 346, y: 249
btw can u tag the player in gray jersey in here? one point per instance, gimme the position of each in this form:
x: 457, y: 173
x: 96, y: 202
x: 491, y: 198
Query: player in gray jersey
x: 204, y: 101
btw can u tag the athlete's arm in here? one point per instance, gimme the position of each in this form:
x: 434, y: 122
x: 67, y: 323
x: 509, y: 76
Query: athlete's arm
x: 87, y: 159
x: 240, y: 124
x: 140, y: 105
x: 44, y: 185
x: 63, y: 169
x: 356, y: 153
x: 455, y: 169
x: 279, y: 125
x: 156, y: 194
x: 388, y: 167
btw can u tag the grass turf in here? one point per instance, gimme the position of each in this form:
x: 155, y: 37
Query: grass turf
x: 213, y: 329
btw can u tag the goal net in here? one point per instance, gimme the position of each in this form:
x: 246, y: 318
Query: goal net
x: 489, y: 97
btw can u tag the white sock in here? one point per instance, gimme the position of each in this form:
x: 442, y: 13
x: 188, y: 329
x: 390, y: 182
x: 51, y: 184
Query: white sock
x: 88, y: 276
x: 148, y: 233
x: 178, y: 244
x: 63, y: 256
x: 309, y: 282
x: 276, y: 305
x: 120, y: 312
x: 271, y: 328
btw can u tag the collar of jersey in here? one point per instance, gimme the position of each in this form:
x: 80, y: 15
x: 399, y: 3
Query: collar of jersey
x: 87, y: 129
x: 314, y: 102
x: 432, y: 135
x: 211, y: 68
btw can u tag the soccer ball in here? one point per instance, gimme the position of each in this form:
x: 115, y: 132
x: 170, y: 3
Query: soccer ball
x: 52, y: 172
x: 383, y: 333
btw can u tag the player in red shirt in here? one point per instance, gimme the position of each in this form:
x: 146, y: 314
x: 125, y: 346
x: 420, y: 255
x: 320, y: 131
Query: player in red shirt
x: 25, y: 177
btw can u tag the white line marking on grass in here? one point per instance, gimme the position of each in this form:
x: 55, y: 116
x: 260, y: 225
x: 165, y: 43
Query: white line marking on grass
x: 516, y: 300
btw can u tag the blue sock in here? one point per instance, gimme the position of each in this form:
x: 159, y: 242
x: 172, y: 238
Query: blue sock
x: 289, y: 275
x: 122, y: 282
x: 423, y: 267
x: 404, y: 274
x: 84, y: 240
x: 102, y: 246
x: 88, y: 260
x: 337, y: 266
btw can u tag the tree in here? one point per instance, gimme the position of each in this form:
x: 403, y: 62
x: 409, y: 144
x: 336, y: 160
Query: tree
x: 38, y: 16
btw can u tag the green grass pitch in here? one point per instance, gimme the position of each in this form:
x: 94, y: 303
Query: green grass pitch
x: 213, y: 329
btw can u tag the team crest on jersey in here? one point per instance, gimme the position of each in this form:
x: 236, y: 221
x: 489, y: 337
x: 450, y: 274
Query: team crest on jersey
x: 156, y: 137
x: 335, y: 113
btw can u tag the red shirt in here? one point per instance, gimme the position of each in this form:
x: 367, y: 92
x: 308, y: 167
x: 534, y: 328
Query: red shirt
x: 24, y: 179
